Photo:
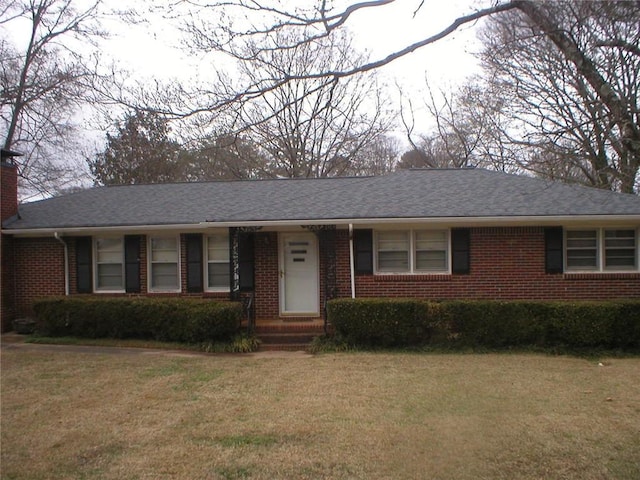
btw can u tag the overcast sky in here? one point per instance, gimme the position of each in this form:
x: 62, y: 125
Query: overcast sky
x: 153, y: 49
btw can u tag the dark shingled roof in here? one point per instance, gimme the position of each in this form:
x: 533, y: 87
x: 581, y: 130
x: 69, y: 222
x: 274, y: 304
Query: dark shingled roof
x: 428, y: 193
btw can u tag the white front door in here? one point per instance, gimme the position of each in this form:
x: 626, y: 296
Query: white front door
x: 299, y: 289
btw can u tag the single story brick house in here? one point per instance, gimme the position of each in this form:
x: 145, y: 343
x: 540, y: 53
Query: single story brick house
x: 292, y: 244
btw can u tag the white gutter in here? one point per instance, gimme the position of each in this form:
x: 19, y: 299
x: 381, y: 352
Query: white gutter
x: 521, y: 220
x: 352, y: 262
x: 66, y: 262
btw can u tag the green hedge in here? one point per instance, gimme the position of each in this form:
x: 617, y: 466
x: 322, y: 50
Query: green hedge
x: 382, y: 321
x: 171, y: 320
x: 493, y: 324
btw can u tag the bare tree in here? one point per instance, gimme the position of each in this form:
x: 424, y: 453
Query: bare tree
x: 378, y: 157
x: 467, y: 132
x: 557, y: 113
x: 43, y: 85
x: 260, y: 22
x: 307, y: 127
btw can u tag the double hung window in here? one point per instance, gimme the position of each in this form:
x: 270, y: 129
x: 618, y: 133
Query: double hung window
x: 109, y: 258
x: 164, y: 264
x: 412, y: 251
x: 601, y: 250
x: 431, y: 251
x: 393, y: 251
x: 217, y: 262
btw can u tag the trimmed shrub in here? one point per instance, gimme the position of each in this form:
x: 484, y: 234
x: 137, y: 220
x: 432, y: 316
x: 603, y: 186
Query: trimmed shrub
x: 493, y: 324
x: 382, y: 321
x: 172, y: 320
x: 497, y: 324
x: 582, y: 324
x: 626, y: 327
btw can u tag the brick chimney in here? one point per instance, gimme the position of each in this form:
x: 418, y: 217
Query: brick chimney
x: 8, y: 184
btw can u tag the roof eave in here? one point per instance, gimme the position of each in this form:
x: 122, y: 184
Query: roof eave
x: 533, y: 220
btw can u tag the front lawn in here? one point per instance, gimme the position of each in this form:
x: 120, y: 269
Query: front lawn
x: 342, y: 416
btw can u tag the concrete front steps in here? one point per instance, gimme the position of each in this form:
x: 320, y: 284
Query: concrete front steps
x: 287, y: 336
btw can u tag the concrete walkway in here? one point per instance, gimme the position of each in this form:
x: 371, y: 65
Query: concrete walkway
x: 15, y: 342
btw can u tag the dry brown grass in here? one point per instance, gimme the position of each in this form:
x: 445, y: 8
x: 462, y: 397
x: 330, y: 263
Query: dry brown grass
x: 89, y: 416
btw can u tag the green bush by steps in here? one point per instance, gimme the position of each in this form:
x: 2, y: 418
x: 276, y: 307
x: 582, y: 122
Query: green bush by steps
x: 170, y: 320
x: 493, y: 324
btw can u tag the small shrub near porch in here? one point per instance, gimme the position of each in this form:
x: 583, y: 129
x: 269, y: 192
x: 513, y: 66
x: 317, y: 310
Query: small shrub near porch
x: 170, y: 320
x: 493, y: 324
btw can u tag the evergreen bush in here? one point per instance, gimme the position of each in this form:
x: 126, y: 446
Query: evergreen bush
x: 171, y: 320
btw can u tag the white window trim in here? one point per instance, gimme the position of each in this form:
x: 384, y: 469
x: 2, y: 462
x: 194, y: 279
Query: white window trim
x: 600, y: 245
x: 95, y: 266
x: 207, y: 288
x: 150, y: 289
x: 412, y: 252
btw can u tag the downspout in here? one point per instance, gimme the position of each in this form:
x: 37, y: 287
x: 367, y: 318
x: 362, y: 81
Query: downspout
x: 66, y: 262
x: 352, y: 262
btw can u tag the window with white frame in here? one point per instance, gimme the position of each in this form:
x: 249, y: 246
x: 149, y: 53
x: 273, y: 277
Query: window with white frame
x: 601, y: 249
x: 431, y: 251
x: 164, y: 270
x: 582, y: 250
x: 218, y: 262
x: 393, y: 251
x: 412, y: 251
x: 620, y: 250
x: 109, y: 258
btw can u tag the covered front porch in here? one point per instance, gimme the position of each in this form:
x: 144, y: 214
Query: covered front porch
x: 284, y: 277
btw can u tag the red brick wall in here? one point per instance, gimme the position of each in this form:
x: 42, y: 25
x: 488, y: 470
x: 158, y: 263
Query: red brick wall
x: 144, y: 273
x: 267, y: 275
x: 8, y: 208
x: 7, y: 280
x: 506, y: 263
x: 38, y: 271
x: 343, y: 265
x: 8, y: 190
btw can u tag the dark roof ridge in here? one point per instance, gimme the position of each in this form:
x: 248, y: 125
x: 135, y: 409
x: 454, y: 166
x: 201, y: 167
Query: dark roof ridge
x: 471, y: 167
x: 237, y: 180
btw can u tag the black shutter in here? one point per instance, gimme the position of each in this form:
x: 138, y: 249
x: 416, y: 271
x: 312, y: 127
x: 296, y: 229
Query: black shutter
x: 246, y: 262
x: 84, y: 263
x: 460, y: 257
x: 132, y: 263
x: 194, y: 262
x: 363, y: 246
x: 553, y: 247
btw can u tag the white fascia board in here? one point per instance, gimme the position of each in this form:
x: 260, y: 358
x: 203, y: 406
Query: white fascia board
x: 114, y: 229
x: 452, y: 221
x: 562, y: 220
